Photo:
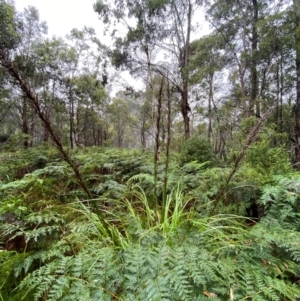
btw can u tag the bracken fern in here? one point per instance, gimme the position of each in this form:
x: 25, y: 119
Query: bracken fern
x: 173, y: 252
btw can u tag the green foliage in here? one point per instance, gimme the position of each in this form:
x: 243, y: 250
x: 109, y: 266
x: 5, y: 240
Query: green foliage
x: 145, y: 232
x: 282, y: 202
x: 217, y: 257
x: 14, y: 142
x: 16, y: 164
x: 265, y: 160
x: 9, y: 37
x: 205, y: 58
x: 56, y: 248
x: 196, y: 149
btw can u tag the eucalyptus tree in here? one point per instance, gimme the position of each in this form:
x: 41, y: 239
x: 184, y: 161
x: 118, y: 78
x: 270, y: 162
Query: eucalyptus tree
x: 46, y: 56
x: 137, y: 49
x: 9, y: 40
x: 7, y: 113
x: 145, y: 28
x: 32, y: 31
x: 79, y: 57
x: 91, y: 119
x: 25, y: 29
x: 69, y: 78
x: 56, y: 69
x: 119, y: 121
x: 154, y: 29
x: 206, y: 62
x: 142, y: 119
x: 9, y: 37
x: 238, y: 23
x: 259, y: 45
x: 181, y: 26
x: 276, y: 66
x: 136, y: 28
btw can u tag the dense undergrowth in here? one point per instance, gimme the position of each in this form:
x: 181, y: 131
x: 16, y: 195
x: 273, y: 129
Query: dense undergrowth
x: 54, y: 246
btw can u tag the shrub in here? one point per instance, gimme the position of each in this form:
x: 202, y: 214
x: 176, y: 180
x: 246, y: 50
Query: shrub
x: 196, y: 149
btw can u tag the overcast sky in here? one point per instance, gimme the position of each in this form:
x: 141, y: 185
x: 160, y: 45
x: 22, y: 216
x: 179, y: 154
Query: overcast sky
x: 64, y: 15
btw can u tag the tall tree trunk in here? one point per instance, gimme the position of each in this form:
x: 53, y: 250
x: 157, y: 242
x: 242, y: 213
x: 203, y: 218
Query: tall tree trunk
x: 210, y: 99
x: 297, y: 104
x: 157, y: 140
x: 46, y: 135
x: 185, y: 108
x: 254, y: 104
x: 25, y: 128
x: 277, y: 100
x: 243, y: 66
x: 94, y: 136
x: 143, y: 134
x: 120, y: 134
x: 168, y: 143
x: 183, y: 44
x: 71, y: 112
x: 99, y: 137
x: 281, y: 94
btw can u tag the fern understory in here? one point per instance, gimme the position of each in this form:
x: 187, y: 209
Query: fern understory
x: 54, y: 246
